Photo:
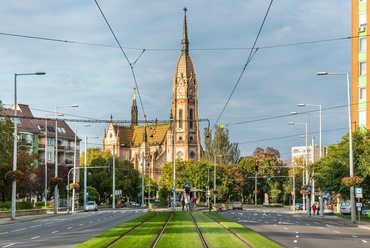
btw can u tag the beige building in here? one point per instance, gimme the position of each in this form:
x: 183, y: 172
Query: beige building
x: 300, y: 151
x: 153, y: 145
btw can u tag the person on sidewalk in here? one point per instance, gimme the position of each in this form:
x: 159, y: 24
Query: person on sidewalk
x: 210, y: 206
x: 313, y: 208
x: 183, y: 203
x: 318, y: 209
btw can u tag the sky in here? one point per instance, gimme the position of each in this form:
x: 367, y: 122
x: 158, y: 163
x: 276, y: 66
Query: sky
x: 298, y: 39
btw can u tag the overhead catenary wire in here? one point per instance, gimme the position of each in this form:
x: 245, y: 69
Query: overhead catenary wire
x: 251, y: 55
x: 131, y: 64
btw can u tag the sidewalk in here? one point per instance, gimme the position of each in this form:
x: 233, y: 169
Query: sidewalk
x: 19, y: 219
x: 332, y: 219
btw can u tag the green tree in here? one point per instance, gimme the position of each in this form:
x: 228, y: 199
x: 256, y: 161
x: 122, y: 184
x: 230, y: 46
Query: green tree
x: 25, y: 159
x: 93, y: 193
x: 220, y: 147
x: 330, y: 170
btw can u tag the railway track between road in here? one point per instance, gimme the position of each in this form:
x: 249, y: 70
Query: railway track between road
x: 199, y: 231
x: 127, y: 233
x: 237, y: 236
x: 160, y: 234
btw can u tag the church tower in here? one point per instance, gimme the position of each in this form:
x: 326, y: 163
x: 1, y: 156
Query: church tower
x: 184, y: 107
x: 134, y: 112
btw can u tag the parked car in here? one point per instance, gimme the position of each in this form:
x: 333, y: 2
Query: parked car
x: 345, y: 207
x: 91, y: 205
x: 237, y: 205
x: 131, y: 204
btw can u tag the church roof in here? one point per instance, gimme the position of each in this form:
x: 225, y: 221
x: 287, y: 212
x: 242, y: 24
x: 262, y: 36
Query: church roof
x: 156, y: 134
x: 125, y: 134
x: 185, y: 67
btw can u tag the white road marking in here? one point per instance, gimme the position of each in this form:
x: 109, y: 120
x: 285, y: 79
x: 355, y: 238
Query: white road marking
x: 336, y: 231
x: 19, y: 229
x: 295, y: 241
x: 35, y: 226
x: 9, y: 245
x: 98, y: 219
x: 69, y: 227
x: 55, y: 232
x: 36, y: 237
x: 297, y: 236
x: 354, y: 236
x: 320, y: 227
x: 91, y: 221
x: 317, y: 222
x: 4, y: 233
x: 329, y: 225
x: 286, y: 228
x: 364, y: 241
x: 81, y: 224
x: 296, y: 232
x: 308, y: 225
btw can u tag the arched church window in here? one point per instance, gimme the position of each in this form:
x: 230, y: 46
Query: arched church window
x: 191, y: 118
x: 192, y: 154
x: 180, y: 118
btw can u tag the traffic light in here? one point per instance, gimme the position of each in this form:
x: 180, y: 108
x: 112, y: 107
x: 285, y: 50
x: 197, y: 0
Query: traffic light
x: 245, y: 178
x: 269, y: 177
x: 256, y: 166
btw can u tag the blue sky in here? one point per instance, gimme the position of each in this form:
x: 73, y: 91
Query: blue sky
x: 99, y: 79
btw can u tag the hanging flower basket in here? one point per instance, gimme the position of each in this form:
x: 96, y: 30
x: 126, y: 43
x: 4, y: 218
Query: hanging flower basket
x: 74, y: 186
x: 255, y: 191
x: 351, y: 181
x: 303, y: 191
x: 14, y: 175
x: 55, y: 181
x: 304, y: 186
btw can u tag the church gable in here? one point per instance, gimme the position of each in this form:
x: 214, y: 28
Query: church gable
x: 156, y: 134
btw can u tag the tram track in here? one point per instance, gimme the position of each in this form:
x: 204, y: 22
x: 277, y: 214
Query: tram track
x: 237, y: 236
x: 160, y: 234
x: 199, y: 231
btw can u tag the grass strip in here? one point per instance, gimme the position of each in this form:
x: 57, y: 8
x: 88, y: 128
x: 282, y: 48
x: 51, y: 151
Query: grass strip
x: 144, y: 235
x: 252, y: 238
x: 108, y: 237
x: 214, y: 234
x: 180, y: 232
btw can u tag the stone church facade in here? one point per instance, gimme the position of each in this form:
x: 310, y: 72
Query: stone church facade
x: 153, y: 145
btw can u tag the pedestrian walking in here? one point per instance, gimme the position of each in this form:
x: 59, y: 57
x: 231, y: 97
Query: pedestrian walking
x: 183, y: 203
x: 210, y: 206
x: 313, y: 208
x: 318, y: 209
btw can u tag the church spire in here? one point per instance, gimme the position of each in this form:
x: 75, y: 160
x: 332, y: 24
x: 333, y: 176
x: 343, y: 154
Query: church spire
x: 134, y: 112
x: 185, y: 41
x: 145, y: 137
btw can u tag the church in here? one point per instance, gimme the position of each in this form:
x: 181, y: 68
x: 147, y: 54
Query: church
x: 154, y: 145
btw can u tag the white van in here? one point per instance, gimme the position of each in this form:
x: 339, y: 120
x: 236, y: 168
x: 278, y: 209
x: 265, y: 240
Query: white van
x: 345, y: 207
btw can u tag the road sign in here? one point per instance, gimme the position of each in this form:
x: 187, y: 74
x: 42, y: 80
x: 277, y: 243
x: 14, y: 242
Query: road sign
x: 308, y: 188
x: 187, y: 185
x: 358, y: 204
x: 87, y: 193
x: 292, y: 193
x: 358, y: 192
x: 173, y: 189
x: 208, y: 192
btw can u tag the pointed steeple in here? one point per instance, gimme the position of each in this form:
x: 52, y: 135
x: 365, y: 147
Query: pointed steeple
x: 145, y: 137
x: 134, y: 112
x: 185, y: 41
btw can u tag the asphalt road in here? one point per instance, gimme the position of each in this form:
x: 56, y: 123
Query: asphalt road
x: 293, y: 230
x: 64, y: 231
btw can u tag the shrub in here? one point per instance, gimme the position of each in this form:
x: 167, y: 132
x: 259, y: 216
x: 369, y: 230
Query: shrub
x: 19, y: 205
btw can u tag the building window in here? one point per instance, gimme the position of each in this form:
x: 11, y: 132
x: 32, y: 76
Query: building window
x: 180, y: 118
x: 191, y: 118
x: 49, y: 155
x: 51, y: 129
x: 40, y: 128
x: 362, y: 45
x: 362, y: 19
x: 362, y: 117
x: 192, y: 154
x: 362, y: 68
x: 65, y: 142
x: 61, y: 130
x: 16, y: 120
x: 362, y: 93
x: 49, y: 142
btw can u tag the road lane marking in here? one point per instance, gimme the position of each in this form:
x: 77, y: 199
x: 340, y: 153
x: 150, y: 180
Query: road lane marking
x: 336, y: 231
x: 296, y: 232
x: 19, y: 229
x: 69, y: 227
x: 81, y: 224
x: 354, y: 236
x: 364, y: 241
x: 35, y: 226
x: 286, y: 228
x: 297, y: 236
x: 36, y: 237
x: 4, y: 233
x: 91, y: 221
x: 55, y: 232
x: 295, y: 241
x: 9, y: 245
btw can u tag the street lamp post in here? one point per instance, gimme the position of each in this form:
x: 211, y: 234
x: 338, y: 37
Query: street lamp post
x: 74, y: 167
x: 15, y: 148
x: 313, y: 147
x: 46, y: 157
x: 294, y: 123
x: 352, y: 188
x: 85, y: 170
x: 214, y: 183
x: 56, y: 154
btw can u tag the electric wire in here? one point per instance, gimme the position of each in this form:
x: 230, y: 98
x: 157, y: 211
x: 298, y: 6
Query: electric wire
x: 250, y: 57
x: 131, y: 64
